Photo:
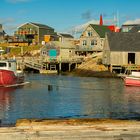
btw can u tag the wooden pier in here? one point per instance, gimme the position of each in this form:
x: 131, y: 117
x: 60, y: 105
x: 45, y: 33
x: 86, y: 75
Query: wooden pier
x: 124, y: 68
x: 52, y: 65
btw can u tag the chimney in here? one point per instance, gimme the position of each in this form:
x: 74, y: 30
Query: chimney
x: 101, y: 20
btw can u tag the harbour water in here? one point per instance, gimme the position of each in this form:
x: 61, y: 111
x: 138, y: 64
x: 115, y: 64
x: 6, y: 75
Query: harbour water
x: 59, y: 96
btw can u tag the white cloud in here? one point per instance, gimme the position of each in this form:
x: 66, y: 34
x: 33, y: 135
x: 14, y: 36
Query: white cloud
x: 17, y: 1
x: 6, y: 20
x: 136, y: 21
x: 9, y: 25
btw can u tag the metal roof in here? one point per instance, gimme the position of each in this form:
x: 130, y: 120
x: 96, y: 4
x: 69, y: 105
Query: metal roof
x: 41, y: 25
x: 37, y: 25
x: 66, y: 35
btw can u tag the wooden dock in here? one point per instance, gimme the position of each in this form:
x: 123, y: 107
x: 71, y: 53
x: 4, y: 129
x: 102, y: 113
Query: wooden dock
x: 51, y: 66
x: 124, y: 68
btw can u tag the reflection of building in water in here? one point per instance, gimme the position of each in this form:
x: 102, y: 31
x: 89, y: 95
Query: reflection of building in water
x: 5, y: 97
x: 132, y: 101
x: 103, y: 98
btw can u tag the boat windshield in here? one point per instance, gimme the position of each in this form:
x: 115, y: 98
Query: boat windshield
x: 2, y: 64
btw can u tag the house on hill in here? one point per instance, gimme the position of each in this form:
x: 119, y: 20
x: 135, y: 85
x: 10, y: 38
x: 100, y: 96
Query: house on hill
x: 33, y: 32
x: 92, y: 38
x: 2, y: 33
x: 63, y: 37
x: 128, y: 27
x: 135, y: 29
x: 121, y: 50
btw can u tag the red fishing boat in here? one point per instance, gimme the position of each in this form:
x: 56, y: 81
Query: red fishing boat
x: 9, y: 75
x: 132, y: 79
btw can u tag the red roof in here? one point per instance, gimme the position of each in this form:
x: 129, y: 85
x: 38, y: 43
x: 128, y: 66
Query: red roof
x: 113, y: 28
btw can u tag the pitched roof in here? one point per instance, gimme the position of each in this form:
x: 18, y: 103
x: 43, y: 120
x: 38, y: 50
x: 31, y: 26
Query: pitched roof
x: 101, y: 30
x: 2, y: 33
x: 41, y: 25
x: 135, y: 29
x: 130, y: 25
x: 58, y: 44
x: 66, y: 35
x: 124, y: 41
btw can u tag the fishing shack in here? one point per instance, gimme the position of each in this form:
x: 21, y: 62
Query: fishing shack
x: 58, y: 56
x: 121, y: 51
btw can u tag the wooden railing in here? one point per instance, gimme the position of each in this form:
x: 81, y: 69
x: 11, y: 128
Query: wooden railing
x: 39, y: 64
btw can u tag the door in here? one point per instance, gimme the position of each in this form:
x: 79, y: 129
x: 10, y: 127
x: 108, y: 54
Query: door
x: 131, y: 58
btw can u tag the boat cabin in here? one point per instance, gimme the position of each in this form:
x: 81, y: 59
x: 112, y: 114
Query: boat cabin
x: 8, y: 65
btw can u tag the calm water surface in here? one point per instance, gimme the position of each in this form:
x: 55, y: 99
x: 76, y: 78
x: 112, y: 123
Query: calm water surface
x: 70, y: 97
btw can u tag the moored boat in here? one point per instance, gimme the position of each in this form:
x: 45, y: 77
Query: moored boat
x: 9, y: 75
x: 132, y: 79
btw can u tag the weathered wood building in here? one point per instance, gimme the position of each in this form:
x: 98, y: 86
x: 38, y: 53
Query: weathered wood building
x: 63, y: 37
x: 33, y: 32
x: 121, y: 50
x: 135, y: 29
x: 60, y: 56
x: 92, y: 38
x: 58, y: 50
x: 128, y: 27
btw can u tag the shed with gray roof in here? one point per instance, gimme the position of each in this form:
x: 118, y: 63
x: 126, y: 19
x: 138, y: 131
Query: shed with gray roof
x: 121, y: 49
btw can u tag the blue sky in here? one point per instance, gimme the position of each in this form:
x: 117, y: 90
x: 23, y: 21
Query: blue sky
x: 63, y: 15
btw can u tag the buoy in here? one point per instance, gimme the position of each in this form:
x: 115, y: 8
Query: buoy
x: 50, y: 87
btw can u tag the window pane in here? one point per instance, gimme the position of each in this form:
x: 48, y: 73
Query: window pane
x: 2, y: 64
x: 84, y: 42
x: 93, y: 42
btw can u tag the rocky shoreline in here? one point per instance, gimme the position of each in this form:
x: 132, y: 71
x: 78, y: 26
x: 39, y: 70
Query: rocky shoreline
x: 92, y: 73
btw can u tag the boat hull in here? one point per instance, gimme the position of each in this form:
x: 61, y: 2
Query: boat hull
x: 132, y: 81
x: 8, y: 77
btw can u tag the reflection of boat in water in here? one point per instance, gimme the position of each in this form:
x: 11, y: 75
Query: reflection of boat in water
x: 133, y: 79
x: 4, y: 90
x: 5, y: 100
x: 9, y: 75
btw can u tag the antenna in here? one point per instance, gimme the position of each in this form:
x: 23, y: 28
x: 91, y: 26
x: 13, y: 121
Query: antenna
x: 118, y: 24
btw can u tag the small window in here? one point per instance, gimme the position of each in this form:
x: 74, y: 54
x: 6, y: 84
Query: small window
x: 89, y: 33
x: 84, y: 42
x: 44, y: 52
x: 93, y: 42
x: 2, y: 64
x: 9, y: 64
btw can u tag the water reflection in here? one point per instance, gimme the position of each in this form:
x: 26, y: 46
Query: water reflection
x: 70, y: 97
x: 5, y: 99
x: 132, y: 101
x: 132, y: 90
